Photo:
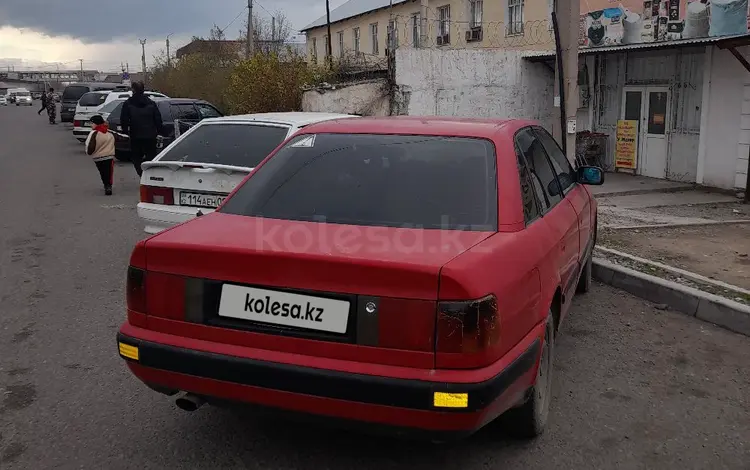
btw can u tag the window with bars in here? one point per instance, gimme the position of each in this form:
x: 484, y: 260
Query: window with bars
x: 444, y: 23
x: 475, y: 13
x: 374, y: 38
x: 327, y: 45
x: 341, y: 43
x: 356, y: 40
x: 314, y: 51
x: 416, y: 22
x: 515, y: 16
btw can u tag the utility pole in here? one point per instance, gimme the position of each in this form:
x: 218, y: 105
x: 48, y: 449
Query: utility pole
x: 329, y: 53
x: 423, y: 30
x: 567, y: 14
x: 143, y: 60
x: 249, y: 48
x: 80, y: 78
x: 169, y: 58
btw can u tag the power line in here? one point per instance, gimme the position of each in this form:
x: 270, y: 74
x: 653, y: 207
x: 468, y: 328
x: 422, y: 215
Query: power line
x: 264, y: 8
x: 235, y: 19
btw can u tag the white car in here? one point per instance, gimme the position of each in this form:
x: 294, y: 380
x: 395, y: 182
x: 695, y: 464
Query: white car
x: 197, y: 171
x: 82, y: 122
x: 123, y: 95
x: 86, y: 107
x: 3, y: 100
x: 93, y: 103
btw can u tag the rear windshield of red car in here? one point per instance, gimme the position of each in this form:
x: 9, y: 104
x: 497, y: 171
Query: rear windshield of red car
x: 411, y: 181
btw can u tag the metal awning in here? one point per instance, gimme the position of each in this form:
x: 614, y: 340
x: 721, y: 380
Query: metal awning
x: 723, y: 42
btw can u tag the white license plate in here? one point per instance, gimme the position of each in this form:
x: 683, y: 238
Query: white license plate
x: 284, y: 308
x: 201, y: 200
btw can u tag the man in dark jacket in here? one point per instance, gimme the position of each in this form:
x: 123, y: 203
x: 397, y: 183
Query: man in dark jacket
x: 141, y: 120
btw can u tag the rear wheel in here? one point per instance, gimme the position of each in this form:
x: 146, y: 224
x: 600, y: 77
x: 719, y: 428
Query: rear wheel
x: 530, y: 419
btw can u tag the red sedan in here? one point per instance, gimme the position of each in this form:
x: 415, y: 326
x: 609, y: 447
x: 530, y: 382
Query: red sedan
x: 406, y: 272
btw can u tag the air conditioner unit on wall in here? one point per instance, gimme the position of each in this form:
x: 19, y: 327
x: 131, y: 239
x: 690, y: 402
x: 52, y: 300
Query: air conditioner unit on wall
x: 474, y: 35
x: 443, y: 40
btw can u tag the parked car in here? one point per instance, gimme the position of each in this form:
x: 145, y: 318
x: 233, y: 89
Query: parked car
x: 82, y: 124
x: 123, y: 95
x: 74, y: 92
x: 200, y: 169
x: 187, y: 111
x: 36, y: 95
x: 406, y: 272
x: 3, y: 100
x: 87, y: 106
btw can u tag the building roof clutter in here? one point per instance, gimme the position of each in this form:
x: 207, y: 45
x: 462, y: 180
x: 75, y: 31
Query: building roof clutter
x: 351, y: 9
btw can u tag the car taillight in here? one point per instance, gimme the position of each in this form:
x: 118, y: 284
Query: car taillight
x: 466, y: 332
x: 76, y: 123
x: 135, y: 289
x: 157, y: 195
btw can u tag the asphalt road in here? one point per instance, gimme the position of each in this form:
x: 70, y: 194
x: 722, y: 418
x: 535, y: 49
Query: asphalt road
x: 635, y: 387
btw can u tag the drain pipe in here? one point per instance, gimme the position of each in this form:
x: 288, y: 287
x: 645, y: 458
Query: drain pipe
x: 560, y: 83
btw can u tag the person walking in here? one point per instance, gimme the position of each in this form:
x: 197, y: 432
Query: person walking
x: 141, y: 120
x: 51, y: 106
x: 100, y: 145
x: 44, y: 103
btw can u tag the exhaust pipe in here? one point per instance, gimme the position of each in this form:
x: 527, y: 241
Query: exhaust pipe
x: 189, y: 402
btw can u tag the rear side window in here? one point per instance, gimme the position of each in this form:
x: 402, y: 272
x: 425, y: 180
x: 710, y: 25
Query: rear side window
x: 92, y: 99
x: 109, y: 107
x: 539, y: 167
x: 228, y: 144
x: 377, y: 180
x: 74, y: 92
x: 208, y: 111
x: 166, y: 112
x: 559, y: 161
x: 186, y: 112
x: 528, y: 190
x: 115, y: 114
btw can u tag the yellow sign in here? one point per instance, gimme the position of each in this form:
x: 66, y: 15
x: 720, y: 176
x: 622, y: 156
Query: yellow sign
x: 626, y: 148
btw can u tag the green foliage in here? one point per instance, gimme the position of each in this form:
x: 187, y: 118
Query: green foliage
x: 268, y: 83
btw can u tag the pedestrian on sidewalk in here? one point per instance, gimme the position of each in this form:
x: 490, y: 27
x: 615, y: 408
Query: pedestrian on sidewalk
x: 44, y: 103
x: 51, y: 106
x: 141, y: 120
x: 100, y: 144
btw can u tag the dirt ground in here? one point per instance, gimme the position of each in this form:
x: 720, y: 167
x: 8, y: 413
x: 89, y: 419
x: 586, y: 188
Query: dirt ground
x: 719, y: 211
x: 719, y: 252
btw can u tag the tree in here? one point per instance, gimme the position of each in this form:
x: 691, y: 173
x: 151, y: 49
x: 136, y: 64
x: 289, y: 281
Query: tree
x: 266, y: 30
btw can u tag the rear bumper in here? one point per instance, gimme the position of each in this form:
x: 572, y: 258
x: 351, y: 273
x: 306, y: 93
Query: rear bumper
x: 404, y: 404
x: 67, y: 116
x: 81, y: 132
x: 159, y: 217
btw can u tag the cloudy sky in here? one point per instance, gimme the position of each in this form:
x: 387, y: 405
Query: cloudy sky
x: 56, y: 33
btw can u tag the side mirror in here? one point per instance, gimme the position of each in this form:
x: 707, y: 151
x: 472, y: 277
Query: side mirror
x: 591, y: 175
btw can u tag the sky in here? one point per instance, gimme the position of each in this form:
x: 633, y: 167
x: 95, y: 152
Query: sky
x: 52, y: 34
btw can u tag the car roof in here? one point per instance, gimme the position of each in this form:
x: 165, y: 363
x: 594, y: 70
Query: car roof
x: 296, y: 119
x: 420, y: 125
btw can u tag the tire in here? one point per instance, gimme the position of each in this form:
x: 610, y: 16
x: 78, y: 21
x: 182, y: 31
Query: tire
x: 584, y: 282
x: 530, y: 419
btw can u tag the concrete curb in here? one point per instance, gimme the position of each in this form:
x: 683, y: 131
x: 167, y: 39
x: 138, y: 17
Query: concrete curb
x: 677, y: 225
x: 726, y: 313
x: 638, y: 192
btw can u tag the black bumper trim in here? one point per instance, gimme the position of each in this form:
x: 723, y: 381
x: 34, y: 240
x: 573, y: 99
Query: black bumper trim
x: 403, y: 393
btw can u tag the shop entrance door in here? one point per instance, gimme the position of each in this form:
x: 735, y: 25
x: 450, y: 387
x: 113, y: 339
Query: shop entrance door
x: 649, y: 105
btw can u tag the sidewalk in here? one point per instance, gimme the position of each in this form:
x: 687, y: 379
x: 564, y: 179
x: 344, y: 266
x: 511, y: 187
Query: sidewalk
x: 678, y: 233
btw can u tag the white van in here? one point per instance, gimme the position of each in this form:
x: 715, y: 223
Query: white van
x: 19, y: 96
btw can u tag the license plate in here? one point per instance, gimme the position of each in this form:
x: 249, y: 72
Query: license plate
x: 201, y: 200
x: 284, y: 308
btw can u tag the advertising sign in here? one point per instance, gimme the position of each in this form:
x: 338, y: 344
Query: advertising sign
x: 605, y: 23
x: 626, y: 146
